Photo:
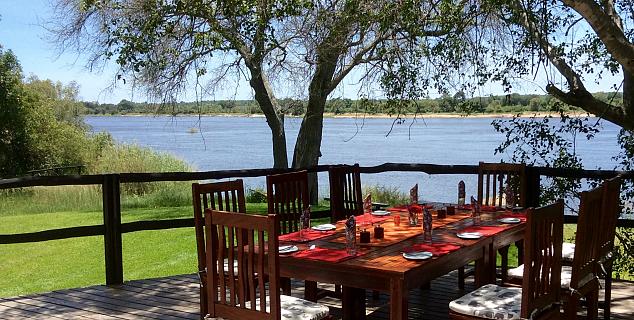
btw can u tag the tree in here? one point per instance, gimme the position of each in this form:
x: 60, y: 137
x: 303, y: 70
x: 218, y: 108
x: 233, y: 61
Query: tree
x: 578, y: 39
x: 36, y: 129
x: 314, y: 45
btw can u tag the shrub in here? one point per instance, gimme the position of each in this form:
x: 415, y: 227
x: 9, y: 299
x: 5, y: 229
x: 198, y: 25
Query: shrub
x: 257, y: 195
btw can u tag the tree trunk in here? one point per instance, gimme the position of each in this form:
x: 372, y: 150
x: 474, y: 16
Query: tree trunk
x: 275, y: 119
x: 628, y: 97
x: 307, y: 147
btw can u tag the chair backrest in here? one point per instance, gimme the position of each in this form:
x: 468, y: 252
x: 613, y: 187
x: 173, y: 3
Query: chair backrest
x: 345, y: 191
x: 287, y: 196
x: 543, y: 239
x: 240, y: 291
x: 492, y: 181
x: 586, y: 237
x: 610, y: 212
x: 226, y: 195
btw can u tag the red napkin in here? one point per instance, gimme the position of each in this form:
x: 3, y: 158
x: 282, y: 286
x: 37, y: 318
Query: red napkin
x: 367, y: 218
x: 309, y: 235
x: 437, y: 249
x: 324, y: 254
x: 482, y: 208
x: 521, y: 216
x: 484, y: 230
x: 404, y: 208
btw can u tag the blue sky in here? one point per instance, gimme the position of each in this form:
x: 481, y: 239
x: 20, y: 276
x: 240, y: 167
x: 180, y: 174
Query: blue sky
x: 21, y: 32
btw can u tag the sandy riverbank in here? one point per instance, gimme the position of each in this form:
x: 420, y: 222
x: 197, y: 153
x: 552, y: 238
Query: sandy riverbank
x: 375, y: 115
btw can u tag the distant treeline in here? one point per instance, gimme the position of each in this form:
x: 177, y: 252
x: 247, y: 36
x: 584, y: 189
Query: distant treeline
x: 457, y: 103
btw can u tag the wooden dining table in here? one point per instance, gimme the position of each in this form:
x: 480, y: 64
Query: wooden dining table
x: 380, y: 265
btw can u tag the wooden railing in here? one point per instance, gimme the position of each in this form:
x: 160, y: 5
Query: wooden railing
x: 112, y: 227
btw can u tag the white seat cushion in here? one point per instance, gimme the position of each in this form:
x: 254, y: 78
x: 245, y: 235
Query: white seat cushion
x: 566, y: 275
x: 491, y: 302
x: 567, y: 251
x: 296, y: 308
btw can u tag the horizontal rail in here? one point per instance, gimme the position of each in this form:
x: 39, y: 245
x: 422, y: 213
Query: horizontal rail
x: 54, y: 234
x: 246, y: 173
x: 40, y: 181
x: 146, y: 225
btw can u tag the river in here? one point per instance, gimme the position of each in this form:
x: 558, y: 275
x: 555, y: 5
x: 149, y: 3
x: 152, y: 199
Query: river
x: 219, y: 143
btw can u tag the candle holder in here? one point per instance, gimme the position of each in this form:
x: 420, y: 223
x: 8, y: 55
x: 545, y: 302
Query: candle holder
x: 364, y: 236
x: 451, y: 210
x: 441, y: 213
x: 379, y: 232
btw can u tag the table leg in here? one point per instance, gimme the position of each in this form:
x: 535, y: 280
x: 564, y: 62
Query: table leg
x: 398, y: 300
x: 485, y: 267
x: 353, y: 303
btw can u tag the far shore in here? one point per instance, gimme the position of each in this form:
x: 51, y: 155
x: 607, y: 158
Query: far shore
x: 370, y: 116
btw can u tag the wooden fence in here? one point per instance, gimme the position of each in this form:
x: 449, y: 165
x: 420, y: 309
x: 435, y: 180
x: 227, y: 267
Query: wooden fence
x: 112, y: 227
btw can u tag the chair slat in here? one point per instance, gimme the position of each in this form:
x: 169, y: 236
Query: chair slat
x: 345, y: 191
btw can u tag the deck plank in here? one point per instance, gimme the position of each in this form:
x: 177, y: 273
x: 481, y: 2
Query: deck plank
x: 176, y: 298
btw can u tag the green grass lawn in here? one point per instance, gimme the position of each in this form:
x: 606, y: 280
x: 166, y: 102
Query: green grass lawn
x: 51, y: 265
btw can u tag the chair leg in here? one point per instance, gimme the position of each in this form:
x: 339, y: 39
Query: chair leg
x: 520, y: 251
x: 203, y: 302
x: 592, y: 300
x: 461, y: 278
x: 608, y: 292
x: 504, y: 261
x: 338, y: 289
x: 310, y: 291
x: 570, y: 307
x: 285, y: 284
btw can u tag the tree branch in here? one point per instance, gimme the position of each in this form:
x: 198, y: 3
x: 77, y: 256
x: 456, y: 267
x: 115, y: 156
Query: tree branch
x: 607, y: 29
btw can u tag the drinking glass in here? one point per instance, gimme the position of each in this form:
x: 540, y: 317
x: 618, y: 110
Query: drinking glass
x: 351, y: 241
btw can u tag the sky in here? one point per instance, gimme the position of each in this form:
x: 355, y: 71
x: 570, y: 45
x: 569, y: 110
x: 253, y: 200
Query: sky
x: 21, y: 31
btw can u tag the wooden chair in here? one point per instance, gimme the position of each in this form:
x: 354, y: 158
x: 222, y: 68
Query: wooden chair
x: 287, y: 196
x: 228, y: 195
x: 605, y: 214
x: 345, y: 192
x: 230, y: 294
x: 539, y: 296
x: 610, y: 213
x: 579, y: 280
x: 492, y: 181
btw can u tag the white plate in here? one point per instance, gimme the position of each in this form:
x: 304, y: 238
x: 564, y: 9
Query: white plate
x: 287, y: 249
x: 380, y: 213
x: 325, y: 227
x: 469, y: 235
x: 510, y: 220
x: 417, y: 255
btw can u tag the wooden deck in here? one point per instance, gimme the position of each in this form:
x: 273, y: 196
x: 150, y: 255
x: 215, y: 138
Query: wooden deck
x: 177, y: 298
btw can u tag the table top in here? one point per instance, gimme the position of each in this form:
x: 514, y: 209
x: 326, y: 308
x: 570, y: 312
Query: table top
x: 385, y: 255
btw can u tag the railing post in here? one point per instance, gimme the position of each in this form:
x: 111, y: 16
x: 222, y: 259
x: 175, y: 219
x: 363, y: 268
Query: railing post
x: 112, y: 223
x: 533, y: 181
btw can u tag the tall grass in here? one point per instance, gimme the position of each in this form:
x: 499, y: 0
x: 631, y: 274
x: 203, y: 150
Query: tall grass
x: 113, y: 159
x: 386, y: 194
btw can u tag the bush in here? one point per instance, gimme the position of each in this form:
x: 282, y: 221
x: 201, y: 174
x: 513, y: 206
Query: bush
x: 257, y: 195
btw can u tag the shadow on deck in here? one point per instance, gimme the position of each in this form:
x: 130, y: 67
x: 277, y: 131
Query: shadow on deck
x: 176, y: 297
